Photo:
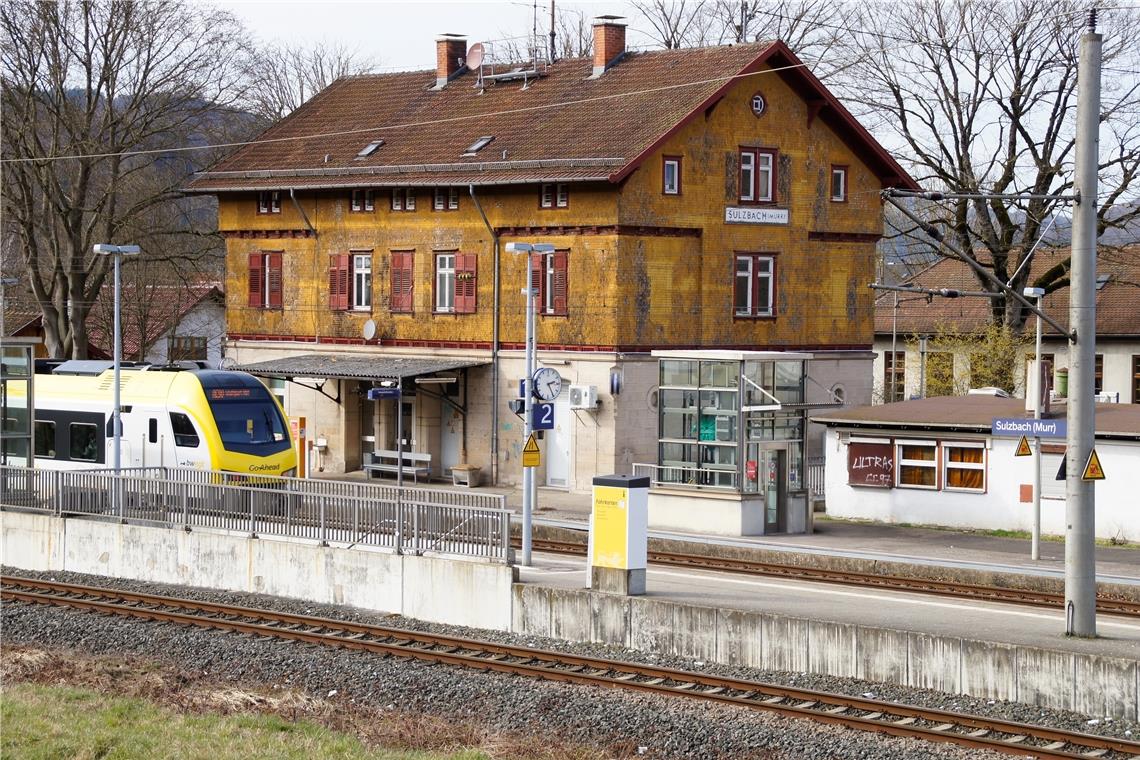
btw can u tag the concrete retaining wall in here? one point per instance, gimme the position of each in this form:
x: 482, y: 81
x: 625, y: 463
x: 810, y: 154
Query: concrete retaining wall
x: 428, y: 588
x: 1099, y: 686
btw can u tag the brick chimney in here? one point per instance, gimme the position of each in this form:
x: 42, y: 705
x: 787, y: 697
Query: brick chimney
x: 450, y: 50
x: 609, y: 43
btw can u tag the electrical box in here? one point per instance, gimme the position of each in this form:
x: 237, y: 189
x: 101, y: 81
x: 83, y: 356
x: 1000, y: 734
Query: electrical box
x: 583, y: 396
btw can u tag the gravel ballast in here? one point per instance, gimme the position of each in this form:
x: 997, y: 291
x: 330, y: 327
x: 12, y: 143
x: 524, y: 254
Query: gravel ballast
x: 653, y: 726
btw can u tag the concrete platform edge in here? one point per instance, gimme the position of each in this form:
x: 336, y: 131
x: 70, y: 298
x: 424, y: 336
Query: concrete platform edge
x: 1091, y: 684
x: 852, y: 564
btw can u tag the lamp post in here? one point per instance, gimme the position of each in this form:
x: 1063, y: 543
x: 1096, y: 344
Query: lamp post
x: 1035, y: 547
x: 118, y: 251
x: 528, y: 385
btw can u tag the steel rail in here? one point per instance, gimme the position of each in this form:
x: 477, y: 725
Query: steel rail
x: 1106, y: 605
x: 876, y: 716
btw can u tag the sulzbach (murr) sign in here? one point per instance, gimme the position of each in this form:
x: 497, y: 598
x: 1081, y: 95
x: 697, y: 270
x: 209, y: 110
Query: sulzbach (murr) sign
x: 1015, y: 427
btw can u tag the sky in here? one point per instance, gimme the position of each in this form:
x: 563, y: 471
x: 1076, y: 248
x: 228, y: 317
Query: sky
x: 401, y: 35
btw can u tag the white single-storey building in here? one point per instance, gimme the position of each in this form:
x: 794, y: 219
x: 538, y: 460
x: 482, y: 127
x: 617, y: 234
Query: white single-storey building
x: 945, y: 461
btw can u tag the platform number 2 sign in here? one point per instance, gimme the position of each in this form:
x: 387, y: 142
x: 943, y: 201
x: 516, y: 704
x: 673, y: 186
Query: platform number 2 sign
x: 542, y: 417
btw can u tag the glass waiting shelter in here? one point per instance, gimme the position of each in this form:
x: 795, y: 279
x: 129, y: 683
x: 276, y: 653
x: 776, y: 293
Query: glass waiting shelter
x: 733, y: 422
x: 16, y: 398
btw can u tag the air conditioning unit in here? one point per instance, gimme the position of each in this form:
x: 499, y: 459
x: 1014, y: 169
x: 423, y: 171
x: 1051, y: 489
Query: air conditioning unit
x: 583, y: 396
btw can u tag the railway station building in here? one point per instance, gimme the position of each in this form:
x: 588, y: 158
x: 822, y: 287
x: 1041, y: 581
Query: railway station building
x: 713, y: 199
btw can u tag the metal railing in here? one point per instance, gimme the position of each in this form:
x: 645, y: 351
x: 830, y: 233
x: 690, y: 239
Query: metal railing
x: 408, y: 520
x: 686, y: 476
x: 815, y: 470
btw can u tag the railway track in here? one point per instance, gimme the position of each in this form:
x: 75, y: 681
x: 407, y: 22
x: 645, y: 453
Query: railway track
x: 852, y: 712
x: 1104, y: 604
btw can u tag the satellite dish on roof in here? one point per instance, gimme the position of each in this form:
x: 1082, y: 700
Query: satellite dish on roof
x: 369, y: 330
x: 475, y: 56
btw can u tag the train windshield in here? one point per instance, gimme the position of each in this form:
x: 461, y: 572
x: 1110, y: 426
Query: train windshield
x: 248, y: 420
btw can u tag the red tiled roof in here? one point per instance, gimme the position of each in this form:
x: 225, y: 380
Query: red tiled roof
x: 164, y: 314
x: 579, y: 128
x: 1117, y: 302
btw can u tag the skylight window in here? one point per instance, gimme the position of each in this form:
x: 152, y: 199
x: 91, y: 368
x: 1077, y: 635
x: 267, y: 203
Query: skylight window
x: 478, y: 145
x: 369, y: 149
x: 1102, y: 280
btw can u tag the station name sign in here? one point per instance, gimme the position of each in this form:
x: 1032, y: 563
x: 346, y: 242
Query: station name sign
x: 738, y: 215
x: 1015, y: 427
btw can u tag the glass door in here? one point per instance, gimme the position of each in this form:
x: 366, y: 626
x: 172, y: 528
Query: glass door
x: 773, y: 483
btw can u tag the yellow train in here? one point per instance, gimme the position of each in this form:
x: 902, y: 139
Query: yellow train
x: 207, y: 419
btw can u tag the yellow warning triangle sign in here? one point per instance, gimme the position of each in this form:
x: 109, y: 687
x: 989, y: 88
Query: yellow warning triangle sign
x: 531, y: 445
x: 1093, y: 470
x: 1022, y: 448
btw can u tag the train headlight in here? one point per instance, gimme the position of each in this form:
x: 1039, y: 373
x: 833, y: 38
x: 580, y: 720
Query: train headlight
x: 290, y: 473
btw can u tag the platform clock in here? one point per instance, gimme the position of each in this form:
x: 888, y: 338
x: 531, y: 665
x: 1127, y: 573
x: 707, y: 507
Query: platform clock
x: 547, y: 383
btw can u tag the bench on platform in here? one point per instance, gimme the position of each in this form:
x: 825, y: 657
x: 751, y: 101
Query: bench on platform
x: 378, y: 462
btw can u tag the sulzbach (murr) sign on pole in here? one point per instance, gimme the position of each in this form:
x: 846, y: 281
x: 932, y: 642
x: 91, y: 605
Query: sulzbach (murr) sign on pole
x: 1015, y: 427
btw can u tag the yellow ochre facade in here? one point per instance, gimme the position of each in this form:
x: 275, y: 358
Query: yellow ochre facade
x: 645, y: 200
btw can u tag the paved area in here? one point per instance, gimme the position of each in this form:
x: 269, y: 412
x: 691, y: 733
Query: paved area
x: 863, y: 540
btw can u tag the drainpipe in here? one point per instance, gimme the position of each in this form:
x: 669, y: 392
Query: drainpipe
x: 301, y: 211
x: 494, y: 347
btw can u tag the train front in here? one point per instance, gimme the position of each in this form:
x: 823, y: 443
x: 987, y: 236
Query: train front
x: 252, y: 433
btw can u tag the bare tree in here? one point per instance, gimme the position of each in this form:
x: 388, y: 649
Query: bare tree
x: 817, y: 30
x: 983, y: 97
x: 287, y: 75
x: 96, y: 97
x: 574, y: 34
x: 678, y: 23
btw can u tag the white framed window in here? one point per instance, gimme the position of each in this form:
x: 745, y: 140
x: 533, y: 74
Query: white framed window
x: 757, y: 175
x: 758, y: 104
x: 839, y: 184
x: 445, y: 282
x: 554, y: 195
x: 671, y: 176
x: 403, y: 199
x: 755, y: 285
x: 362, y: 200
x: 964, y: 466
x: 917, y: 463
x: 446, y: 199
x: 362, y: 281
x: 269, y: 202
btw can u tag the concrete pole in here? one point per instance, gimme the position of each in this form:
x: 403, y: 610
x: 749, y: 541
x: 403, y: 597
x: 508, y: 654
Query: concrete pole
x: 116, y: 412
x: 400, y: 434
x: 1080, y: 508
x: 528, y: 406
x: 1035, y: 550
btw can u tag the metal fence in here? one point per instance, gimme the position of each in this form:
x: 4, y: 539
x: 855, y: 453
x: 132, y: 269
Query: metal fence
x: 406, y: 520
x: 815, y: 470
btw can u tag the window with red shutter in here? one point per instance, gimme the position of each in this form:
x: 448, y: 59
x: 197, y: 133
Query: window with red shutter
x: 560, y: 284
x: 273, y: 279
x: 257, y: 280
x: 538, y: 280
x: 465, y: 283
x: 402, y: 277
x: 340, y: 289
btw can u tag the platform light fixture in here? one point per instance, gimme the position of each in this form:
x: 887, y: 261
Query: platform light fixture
x: 118, y: 252
x: 528, y: 390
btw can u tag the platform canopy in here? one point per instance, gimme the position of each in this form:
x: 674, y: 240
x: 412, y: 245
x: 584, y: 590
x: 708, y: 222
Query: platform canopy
x: 351, y: 367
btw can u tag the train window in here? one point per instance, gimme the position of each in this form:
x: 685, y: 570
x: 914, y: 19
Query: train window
x: 152, y: 430
x: 184, y: 432
x: 84, y: 441
x: 45, y: 439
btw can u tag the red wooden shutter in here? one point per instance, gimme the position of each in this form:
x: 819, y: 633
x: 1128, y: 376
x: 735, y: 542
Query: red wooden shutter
x: 537, y: 280
x: 334, y: 282
x: 401, y: 294
x: 344, y: 292
x: 465, y: 283
x: 273, y: 280
x: 560, y: 282
x: 256, y: 281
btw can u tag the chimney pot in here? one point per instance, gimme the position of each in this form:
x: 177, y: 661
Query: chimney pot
x: 609, y: 43
x: 450, y: 54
